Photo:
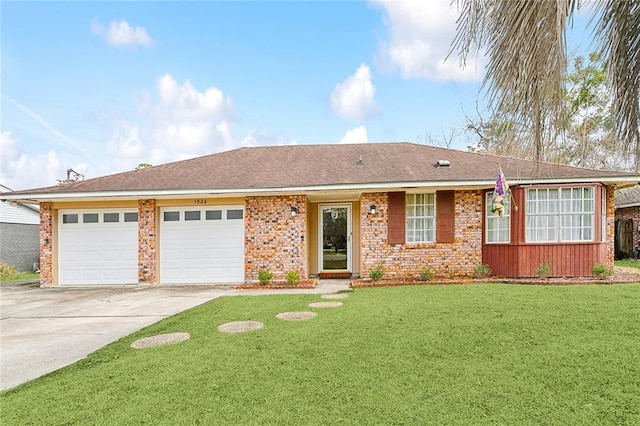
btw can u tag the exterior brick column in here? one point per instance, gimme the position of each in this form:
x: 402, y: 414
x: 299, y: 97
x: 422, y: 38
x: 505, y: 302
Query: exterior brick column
x: 274, y: 239
x: 147, y: 259
x: 373, y: 232
x: 611, y: 226
x: 46, y: 244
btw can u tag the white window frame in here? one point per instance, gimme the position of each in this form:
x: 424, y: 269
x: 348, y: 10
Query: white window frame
x: 417, y: 213
x: 495, y: 223
x: 554, y: 211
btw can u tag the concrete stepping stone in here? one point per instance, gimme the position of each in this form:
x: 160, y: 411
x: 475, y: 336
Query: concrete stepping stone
x: 240, y: 326
x: 325, y: 304
x: 296, y: 316
x: 159, y: 340
x: 335, y: 296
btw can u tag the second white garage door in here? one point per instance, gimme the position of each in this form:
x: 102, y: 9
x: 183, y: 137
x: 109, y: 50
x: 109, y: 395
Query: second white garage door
x: 202, y: 245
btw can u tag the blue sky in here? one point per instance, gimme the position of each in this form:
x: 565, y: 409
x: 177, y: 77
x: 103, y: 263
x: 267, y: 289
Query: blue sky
x: 101, y: 87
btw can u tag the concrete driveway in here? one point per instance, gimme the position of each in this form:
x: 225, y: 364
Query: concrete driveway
x: 44, y: 329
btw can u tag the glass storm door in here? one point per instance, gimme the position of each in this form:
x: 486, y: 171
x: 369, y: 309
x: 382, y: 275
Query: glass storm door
x: 335, y: 238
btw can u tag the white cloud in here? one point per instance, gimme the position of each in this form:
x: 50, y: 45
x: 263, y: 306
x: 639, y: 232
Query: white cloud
x: 419, y: 39
x: 125, y: 142
x: 356, y: 135
x: 262, y: 137
x: 19, y: 170
x: 353, y: 98
x: 186, y: 103
x: 121, y: 34
x: 177, y: 122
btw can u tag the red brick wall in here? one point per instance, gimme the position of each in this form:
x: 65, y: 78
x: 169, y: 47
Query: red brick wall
x: 445, y: 259
x: 273, y: 238
x: 46, y: 244
x: 147, y: 249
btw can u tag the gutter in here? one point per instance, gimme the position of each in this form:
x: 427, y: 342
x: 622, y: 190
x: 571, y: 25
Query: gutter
x: 35, y: 198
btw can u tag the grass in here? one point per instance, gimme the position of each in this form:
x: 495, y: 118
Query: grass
x: 462, y: 354
x: 20, y: 276
x: 630, y: 263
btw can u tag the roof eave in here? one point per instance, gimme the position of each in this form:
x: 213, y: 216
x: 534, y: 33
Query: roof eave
x: 627, y: 205
x: 34, y: 198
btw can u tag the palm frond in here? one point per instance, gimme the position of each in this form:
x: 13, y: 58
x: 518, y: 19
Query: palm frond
x: 525, y: 42
x: 618, y: 34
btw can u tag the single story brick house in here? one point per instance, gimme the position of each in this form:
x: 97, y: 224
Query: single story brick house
x: 327, y: 210
x: 627, y: 216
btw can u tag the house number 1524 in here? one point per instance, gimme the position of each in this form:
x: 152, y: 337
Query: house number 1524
x: 200, y: 201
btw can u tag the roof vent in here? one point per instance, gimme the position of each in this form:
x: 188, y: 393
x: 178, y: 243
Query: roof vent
x: 360, y: 162
x: 443, y: 163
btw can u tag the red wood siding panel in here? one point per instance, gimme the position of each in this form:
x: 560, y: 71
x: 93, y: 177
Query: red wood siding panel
x: 518, y: 220
x: 396, y: 224
x: 567, y: 260
x: 445, y: 211
x: 501, y: 258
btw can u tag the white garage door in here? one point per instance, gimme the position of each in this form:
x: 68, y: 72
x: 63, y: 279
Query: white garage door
x: 202, y: 245
x: 98, y: 247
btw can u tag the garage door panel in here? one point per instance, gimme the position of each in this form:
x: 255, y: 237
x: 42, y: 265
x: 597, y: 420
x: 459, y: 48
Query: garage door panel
x: 90, y: 276
x: 98, y: 253
x: 112, y: 255
x: 202, y: 251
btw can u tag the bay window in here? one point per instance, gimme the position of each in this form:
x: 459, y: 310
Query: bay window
x: 560, y: 214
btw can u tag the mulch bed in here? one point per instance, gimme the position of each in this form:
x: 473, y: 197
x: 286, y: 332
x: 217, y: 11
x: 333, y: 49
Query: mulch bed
x: 277, y: 285
x: 618, y: 277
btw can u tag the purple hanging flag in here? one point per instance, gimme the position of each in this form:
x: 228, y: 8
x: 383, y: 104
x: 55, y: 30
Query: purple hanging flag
x: 499, y: 192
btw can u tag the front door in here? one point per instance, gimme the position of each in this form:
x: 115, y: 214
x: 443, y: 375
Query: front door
x: 335, y: 238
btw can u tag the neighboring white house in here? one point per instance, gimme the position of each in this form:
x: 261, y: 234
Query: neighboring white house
x: 19, y: 234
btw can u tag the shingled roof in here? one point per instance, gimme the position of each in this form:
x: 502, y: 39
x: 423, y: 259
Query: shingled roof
x: 627, y: 197
x: 337, y: 165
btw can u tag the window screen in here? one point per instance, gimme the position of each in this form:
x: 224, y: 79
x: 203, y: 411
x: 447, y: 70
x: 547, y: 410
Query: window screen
x: 234, y: 214
x: 90, y: 218
x: 213, y: 215
x: 171, y: 216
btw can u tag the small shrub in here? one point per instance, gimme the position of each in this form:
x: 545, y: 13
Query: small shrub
x: 482, y: 270
x: 376, y: 272
x: 601, y: 271
x: 544, y: 269
x: 7, y: 271
x: 293, y: 277
x: 426, y: 274
x: 265, y: 276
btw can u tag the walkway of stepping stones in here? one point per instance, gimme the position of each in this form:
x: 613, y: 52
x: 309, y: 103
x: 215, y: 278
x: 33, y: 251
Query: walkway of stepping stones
x: 241, y: 326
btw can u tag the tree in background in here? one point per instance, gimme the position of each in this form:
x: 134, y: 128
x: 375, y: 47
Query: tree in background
x: 589, y: 139
x: 525, y: 42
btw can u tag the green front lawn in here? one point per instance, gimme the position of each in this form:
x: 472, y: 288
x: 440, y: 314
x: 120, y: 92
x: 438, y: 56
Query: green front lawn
x: 461, y: 354
x: 629, y: 263
x: 20, y: 276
